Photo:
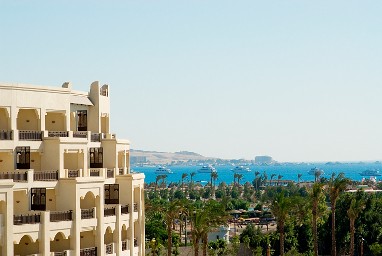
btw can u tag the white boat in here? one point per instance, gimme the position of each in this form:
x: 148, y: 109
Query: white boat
x: 163, y: 170
x: 372, y: 172
x: 240, y: 169
x: 315, y: 170
x: 207, y: 169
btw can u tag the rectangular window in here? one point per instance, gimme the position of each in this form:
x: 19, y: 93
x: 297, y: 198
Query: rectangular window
x: 38, y: 199
x: 82, y: 120
x: 23, y: 158
x: 111, y: 193
x: 96, y: 157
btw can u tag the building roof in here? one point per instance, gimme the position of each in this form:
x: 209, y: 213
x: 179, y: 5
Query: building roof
x: 80, y: 100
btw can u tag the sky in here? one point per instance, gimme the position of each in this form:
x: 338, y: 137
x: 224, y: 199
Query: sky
x: 296, y: 80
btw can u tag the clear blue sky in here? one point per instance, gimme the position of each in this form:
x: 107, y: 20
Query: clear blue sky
x: 297, y: 80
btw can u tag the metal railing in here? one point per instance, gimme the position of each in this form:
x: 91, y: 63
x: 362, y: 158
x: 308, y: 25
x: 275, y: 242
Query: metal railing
x: 135, y: 207
x: 58, y: 134
x: 95, y: 137
x: 15, y: 176
x: 110, y: 173
x: 61, y: 216
x: 73, y: 173
x: 45, y: 175
x: 120, y: 171
x: 125, y: 209
x: 92, y: 251
x: 64, y: 253
x: 80, y: 134
x: 26, y: 219
x: 94, y: 172
x: 109, y: 212
x: 30, y: 135
x: 124, y: 245
x: 135, y: 242
x: 109, y: 248
x: 87, y: 213
x: 6, y: 135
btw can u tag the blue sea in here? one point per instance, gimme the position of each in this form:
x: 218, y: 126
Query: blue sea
x: 288, y: 172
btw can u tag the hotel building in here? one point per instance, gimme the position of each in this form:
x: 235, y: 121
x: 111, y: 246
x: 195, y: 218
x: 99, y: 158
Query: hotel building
x: 65, y: 181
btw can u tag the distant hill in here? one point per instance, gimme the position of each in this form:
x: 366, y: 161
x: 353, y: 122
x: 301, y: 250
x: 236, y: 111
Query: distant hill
x: 154, y: 157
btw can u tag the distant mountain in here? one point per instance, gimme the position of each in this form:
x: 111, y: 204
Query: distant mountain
x: 154, y: 157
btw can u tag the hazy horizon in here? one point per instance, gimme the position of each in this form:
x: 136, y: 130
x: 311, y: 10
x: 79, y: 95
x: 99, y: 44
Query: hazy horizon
x: 297, y: 80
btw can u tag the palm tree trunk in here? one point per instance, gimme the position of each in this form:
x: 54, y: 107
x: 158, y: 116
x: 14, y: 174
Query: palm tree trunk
x: 314, y: 223
x: 282, y: 238
x: 169, y: 239
x: 334, y: 250
x: 205, y: 242
x: 352, y: 231
x: 195, y: 241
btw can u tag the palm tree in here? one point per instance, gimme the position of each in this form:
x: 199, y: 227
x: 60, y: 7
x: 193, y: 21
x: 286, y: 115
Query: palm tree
x: 191, y: 177
x: 272, y: 176
x: 256, y: 179
x: 234, y: 178
x: 317, y: 174
x: 281, y: 207
x: 316, y: 194
x: 239, y: 177
x: 171, y: 210
x: 356, y: 207
x: 184, y: 175
x: 279, y: 178
x: 336, y: 186
x: 157, y: 179
x: 299, y: 177
x: 214, y: 176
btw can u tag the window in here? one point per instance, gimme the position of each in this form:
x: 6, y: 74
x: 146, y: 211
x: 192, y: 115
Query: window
x: 38, y: 199
x: 23, y: 158
x: 96, y: 157
x: 111, y: 193
x: 82, y: 120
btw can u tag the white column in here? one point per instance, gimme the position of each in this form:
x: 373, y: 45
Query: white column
x: 100, y: 241
x: 117, y: 232
x: 44, y: 245
x: 124, y: 162
x: 8, y: 224
x: 42, y: 119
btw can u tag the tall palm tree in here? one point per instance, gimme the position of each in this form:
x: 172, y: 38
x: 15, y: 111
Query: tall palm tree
x: 281, y: 208
x: 191, y: 177
x: 337, y: 184
x: 279, y: 178
x: 234, y: 178
x: 316, y: 195
x: 299, y: 177
x: 184, y: 175
x: 171, y: 211
x: 317, y: 174
x: 256, y: 179
x: 239, y: 177
x: 272, y: 176
x: 214, y: 176
x: 356, y: 207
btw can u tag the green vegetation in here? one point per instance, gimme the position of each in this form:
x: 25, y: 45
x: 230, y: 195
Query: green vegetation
x: 319, y: 218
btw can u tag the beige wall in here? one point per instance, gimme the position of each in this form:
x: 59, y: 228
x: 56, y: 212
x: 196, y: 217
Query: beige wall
x: 36, y: 161
x: 8, y: 162
x: 87, y: 239
x: 55, y: 121
x: 27, y: 119
x: 4, y: 119
x: 20, y: 202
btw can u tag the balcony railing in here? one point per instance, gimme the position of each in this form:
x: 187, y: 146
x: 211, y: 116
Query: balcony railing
x: 87, y: 213
x: 6, y: 135
x: 135, y: 242
x: 88, y: 251
x: 109, y: 212
x: 94, y: 172
x: 135, y: 207
x: 58, y: 134
x: 96, y: 137
x: 120, y: 171
x: 15, y: 176
x: 125, y: 209
x: 64, y: 253
x: 110, y: 173
x: 26, y: 219
x: 109, y: 248
x: 124, y: 245
x: 73, y: 173
x: 45, y: 175
x: 30, y: 135
x: 61, y: 216
x: 80, y: 134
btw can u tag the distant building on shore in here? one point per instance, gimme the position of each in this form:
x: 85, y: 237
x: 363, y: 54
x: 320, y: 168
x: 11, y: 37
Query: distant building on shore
x: 264, y: 160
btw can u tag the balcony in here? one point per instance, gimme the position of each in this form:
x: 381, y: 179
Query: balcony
x: 73, y: 173
x: 135, y: 207
x: 6, y: 135
x: 45, y: 175
x: 124, y: 245
x: 64, y: 253
x: 110, y: 173
x: 61, y: 216
x: 135, y: 242
x: 96, y: 137
x: 79, y: 134
x: 58, y: 134
x: 109, y: 212
x: 94, y: 173
x: 125, y: 209
x: 92, y: 251
x: 30, y: 135
x: 87, y: 213
x: 26, y: 219
x: 109, y: 248
x: 16, y: 176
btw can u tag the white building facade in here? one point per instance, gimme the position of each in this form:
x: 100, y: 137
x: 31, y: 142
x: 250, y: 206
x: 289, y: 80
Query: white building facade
x: 65, y: 181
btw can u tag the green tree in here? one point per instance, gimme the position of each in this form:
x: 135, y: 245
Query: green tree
x: 184, y: 175
x: 316, y: 195
x: 356, y: 207
x: 337, y: 184
x: 214, y: 176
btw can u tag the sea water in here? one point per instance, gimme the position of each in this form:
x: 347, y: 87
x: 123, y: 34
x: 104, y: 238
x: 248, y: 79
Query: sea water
x: 287, y: 171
